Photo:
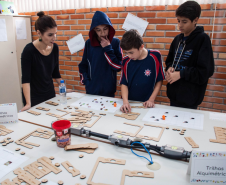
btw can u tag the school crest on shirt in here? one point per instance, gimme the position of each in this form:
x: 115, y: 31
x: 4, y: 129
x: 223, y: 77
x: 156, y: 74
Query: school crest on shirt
x: 147, y: 72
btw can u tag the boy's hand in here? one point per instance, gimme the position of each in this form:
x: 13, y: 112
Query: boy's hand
x: 149, y: 104
x: 125, y: 108
x: 104, y: 42
x: 173, y: 77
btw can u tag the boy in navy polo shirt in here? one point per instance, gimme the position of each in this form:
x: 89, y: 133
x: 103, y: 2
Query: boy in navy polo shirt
x: 142, y: 72
x: 190, y: 61
x: 102, y: 58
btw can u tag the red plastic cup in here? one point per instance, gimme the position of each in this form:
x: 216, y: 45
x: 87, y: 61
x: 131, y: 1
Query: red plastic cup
x: 62, y: 131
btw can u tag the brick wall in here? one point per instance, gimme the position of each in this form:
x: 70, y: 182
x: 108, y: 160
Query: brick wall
x: 160, y: 32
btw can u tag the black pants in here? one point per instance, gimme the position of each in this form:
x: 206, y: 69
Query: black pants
x: 177, y: 105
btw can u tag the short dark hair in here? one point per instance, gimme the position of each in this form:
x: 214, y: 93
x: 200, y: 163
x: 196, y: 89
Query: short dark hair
x: 189, y: 9
x: 44, y: 22
x: 131, y: 39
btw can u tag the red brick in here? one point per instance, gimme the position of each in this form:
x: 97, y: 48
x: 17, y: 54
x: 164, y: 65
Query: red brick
x: 89, y: 16
x: 166, y: 14
x: 219, y: 94
x: 32, y: 23
x: 204, y: 104
x: 77, y: 27
x: 211, y: 14
x: 72, y: 73
x: 71, y: 63
x: 59, y: 32
x: 80, y: 53
x: 61, y: 53
x: 66, y: 67
x: 172, y: 34
x: 219, y: 75
x: 162, y: 99
x: 222, y: 55
x: 208, y: 93
x: 146, y: 14
x: 69, y: 53
x: 205, y: 6
x: 220, y: 62
x: 154, y: 8
x: 224, y: 28
x: 156, y: 21
x: 77, y: 58
x: 164, y: 52
x: 67, y: 77
x: 172, y: 7
x: 71, y: 11
x: 70, y: 22
x: 83, y: 32
x: 211, y: 81
x: 150, y: 27
x: 115, y: 27
x: 72, y: 82
x: 219, y: 49
x: 53, y: 16
x: 63, y: 48
x: 77, y: 78
x: 54, y: 12
x: 219, y: 106
x: 112, y: 15
x: 221, y: 69
x: 172, y: 21
x: 116, y: 9
x: 117, y: 21
x: 164, y: 40
x: 220, y: 82
x: 155, y: 33
x: 119, y: 33
x: 62, y: 38
x: 84, y: 10
x: 221, y: 6
x: 64, y: 58
x: 33, y: 33
x: 209, y: 28
x: 155, y: 46
x: 223, y: 42
x: 30, y: 13
x: 218, y: 35
x: 122, y: 15
x: 63, y: 27
x: 204, y: 21
x: 134, y: 8
x: 147, y: 39
x: 220, y: 21
x: 99, y: 9
x: 34, y: 18
x: 59, y: 43
x: 62, y: 17
x: 79, y: 88
x: 80, y: 16
x: 215, y: 87
x: 34, y: 38
x: 61, y: 62
x: 84, y: 21
x: 167, y: 46
x: 165, y: 27
x: 21, y: 13
x: 58, y: 22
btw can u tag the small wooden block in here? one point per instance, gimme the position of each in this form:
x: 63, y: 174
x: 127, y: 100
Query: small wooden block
x: 102, y: 114
x: 82, y: 177
x: 181, y: 133
x: 11, y: 141
x: 78, y: 184
x: 184, y: 129
x: 68, y: 106
x: 167, y: 128
x: 65, y: 107
x: 60, y: 182
x: 51, y: 158
x: 76, y: 107
x: 81, y: 156
x: 2, y: 141
x: 22, y: 153
x: 4, y: 144
x: 90, y: 111
x: 178, y: 129
x: 57, y: 164
x: 17, y: 149
x: 53, y: 139
x: 8, y: 138
x: 174, y: 129
x: 44, y: 180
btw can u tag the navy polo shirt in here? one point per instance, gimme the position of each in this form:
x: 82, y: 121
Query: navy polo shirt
x: 141, y: 75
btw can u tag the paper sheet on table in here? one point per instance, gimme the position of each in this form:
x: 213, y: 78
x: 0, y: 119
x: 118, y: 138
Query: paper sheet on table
x: 75, y: 95
x: 21, y: 32
x: 217, y: 116
x: 3, y: 32
x: 134, y: 22
x: 76, y: 43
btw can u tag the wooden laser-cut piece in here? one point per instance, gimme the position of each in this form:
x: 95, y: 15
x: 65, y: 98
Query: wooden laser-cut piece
x: 129, y: 116
x: 135, y: 174
x: 17, y: 181
x: 191, y: 142
x: 26, y: 177
x: 81, y: 146
x: 33, y: 169
x: 127, y: 133
x: 152, y: 138
x: 48, y: 163
x: 135, y: 102
x: 220, y: 133
x: 34, y: 112
x: 73, y: 171
x: 7, y: 182
x: 54, y: 115
x: 4, y: 131
x: 52, y: 103
x: 140, y: 107
x: 6, y: 141
x: 63, y: 111
x: 42, y: 108
x: 90, y: 125
x: 103, y: 160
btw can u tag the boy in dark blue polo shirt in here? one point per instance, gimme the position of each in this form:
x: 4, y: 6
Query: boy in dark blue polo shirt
x: 142, y: 72
x: 102, y: 58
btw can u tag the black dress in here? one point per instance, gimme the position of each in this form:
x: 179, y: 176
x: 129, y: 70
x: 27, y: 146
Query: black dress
x: 39, y: 70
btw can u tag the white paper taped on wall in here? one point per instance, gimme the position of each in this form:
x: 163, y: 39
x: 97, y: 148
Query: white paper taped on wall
x: 21, y: 32
x: 76, y: 43
x: 134, y: 22
x: 3, y: 32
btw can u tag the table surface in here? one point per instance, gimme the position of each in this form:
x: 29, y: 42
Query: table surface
x: 171, y: 171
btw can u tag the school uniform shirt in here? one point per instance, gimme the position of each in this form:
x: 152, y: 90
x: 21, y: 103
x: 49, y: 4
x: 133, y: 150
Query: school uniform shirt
x: 140, y: 76
x: 99, y: 66
x: 192, y: 56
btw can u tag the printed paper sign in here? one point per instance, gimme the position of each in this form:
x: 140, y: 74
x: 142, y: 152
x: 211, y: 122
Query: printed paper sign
x: 8, y: 113
x: 21, y: 31
x: 76, y: 43
x: 207, y: 167
x: 134, y: 22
